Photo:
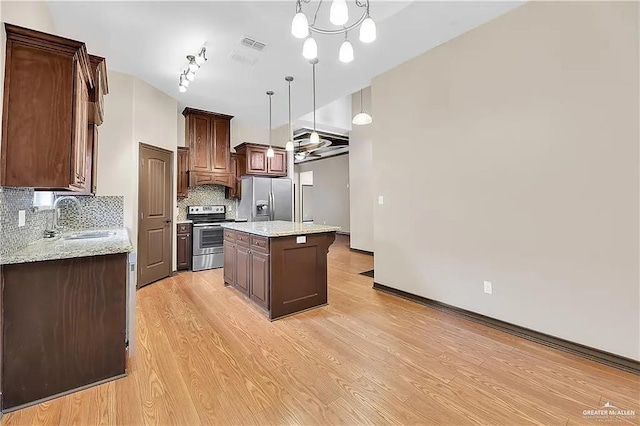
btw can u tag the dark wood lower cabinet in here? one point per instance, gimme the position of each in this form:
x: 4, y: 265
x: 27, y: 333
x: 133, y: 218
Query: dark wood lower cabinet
x: 282, y: 275
x: 260, y: 279
x: 229, y: 270
x: 63, y: 325
x: 243, y: 273
x: 184, y: 247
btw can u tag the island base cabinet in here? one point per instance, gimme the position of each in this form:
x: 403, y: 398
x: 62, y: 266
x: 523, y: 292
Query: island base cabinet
x: 229, y: 263
x: 63, y: 325
x: 300, y: 271
x: 260, y: 279
x: 282, y: 275
x: 243, y: 273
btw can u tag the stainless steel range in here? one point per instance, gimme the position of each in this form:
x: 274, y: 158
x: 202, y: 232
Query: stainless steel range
x: 208, y: 236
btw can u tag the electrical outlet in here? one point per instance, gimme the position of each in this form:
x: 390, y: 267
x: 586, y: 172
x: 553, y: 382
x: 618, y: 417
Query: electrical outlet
x: 488, y: 287
x: 380, y: 199
x: 22, y: 219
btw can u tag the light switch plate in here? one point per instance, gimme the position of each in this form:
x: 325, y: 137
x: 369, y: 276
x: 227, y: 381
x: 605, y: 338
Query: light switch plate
x: 380, y: 199
x: 301, y: 240
x: 22, y: 219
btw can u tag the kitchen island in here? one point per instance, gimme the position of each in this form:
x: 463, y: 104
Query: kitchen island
x: 280, y: 266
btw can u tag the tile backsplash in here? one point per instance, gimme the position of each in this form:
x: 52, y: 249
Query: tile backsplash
x: 207, y: 195
x: 94, y: 212
x: 12, y: 236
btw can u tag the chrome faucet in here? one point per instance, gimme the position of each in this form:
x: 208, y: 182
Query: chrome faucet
x: 56, y: 228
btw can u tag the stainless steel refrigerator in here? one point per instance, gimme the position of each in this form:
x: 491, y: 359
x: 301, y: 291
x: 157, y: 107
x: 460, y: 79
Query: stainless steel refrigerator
x: 266, y: 199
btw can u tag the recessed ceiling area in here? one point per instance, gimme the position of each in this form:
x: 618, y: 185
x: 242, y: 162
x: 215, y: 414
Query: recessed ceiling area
x: 151, y: 39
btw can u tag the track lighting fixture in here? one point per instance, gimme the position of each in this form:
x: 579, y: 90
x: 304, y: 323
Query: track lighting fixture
x: 189, y: 74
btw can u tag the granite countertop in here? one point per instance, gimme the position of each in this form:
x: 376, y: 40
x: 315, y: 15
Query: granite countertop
x: 279, y: 228
x: 59, y: 248
x: 184, y: 221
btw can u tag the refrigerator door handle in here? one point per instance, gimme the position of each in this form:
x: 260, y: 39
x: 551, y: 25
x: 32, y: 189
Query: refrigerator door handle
x: 273, y: 205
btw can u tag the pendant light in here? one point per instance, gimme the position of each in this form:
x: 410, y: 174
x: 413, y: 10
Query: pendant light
x: 368, y: 30
x: 310, y: 48
x: 315, y: 138
x: 339, y: 12
x: 345, y: 55
x: 362, y: 117
x: 300, y: 24
x: 270, y: 152
x: 289, y: 145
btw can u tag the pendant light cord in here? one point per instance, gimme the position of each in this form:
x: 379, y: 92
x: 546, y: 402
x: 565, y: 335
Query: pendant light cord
x: 314, y: 97
x: 269, y: 93
x: 361, y: 103
x: 290, y: 128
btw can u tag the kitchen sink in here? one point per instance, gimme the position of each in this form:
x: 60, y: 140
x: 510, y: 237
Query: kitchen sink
x: 88, y: 235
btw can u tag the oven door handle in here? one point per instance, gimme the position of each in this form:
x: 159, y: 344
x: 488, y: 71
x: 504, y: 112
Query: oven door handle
x: 207, y: 227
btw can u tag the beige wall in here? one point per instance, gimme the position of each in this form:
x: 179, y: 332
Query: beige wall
x: 361, y: 177
x: 28, y: 14
x: 330, y: 190
x: 155, y: 124
x: 510, y: 154
x: 134, y: 112
x: 116, y: 165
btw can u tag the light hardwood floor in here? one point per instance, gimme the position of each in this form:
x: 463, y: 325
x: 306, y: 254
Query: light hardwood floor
x: 207, y: 356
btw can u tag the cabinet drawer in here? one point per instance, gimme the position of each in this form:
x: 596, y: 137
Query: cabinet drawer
x: 243, y: 239
x: 229, y: 235
x: 260, y: 243
x: 184, y: 228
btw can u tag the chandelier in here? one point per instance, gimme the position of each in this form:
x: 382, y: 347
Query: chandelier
x: 339, y: 16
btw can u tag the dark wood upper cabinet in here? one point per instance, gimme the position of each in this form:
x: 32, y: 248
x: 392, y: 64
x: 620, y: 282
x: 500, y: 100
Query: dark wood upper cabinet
x: 277, y: 165
x: 256, y: 159
x: 208, y: 136
x: 80, y: 130
x: 92, y: 159
x: 200, y: 142
x: 238, y: 169
x: 256, y: 162
x: 183, y: 172
x: 222, y: 145
x: 98, y: 67
x: 52, y: 101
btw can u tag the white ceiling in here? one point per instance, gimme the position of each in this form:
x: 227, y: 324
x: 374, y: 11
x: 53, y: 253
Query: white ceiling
x: 151, y: 39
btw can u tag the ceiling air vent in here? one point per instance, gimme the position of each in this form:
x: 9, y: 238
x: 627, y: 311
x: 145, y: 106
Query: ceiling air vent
x: 252, y: 44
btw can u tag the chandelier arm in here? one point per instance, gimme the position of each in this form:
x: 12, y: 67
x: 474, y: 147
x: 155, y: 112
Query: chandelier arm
x: 315, y: 16
x: 340, y: 30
